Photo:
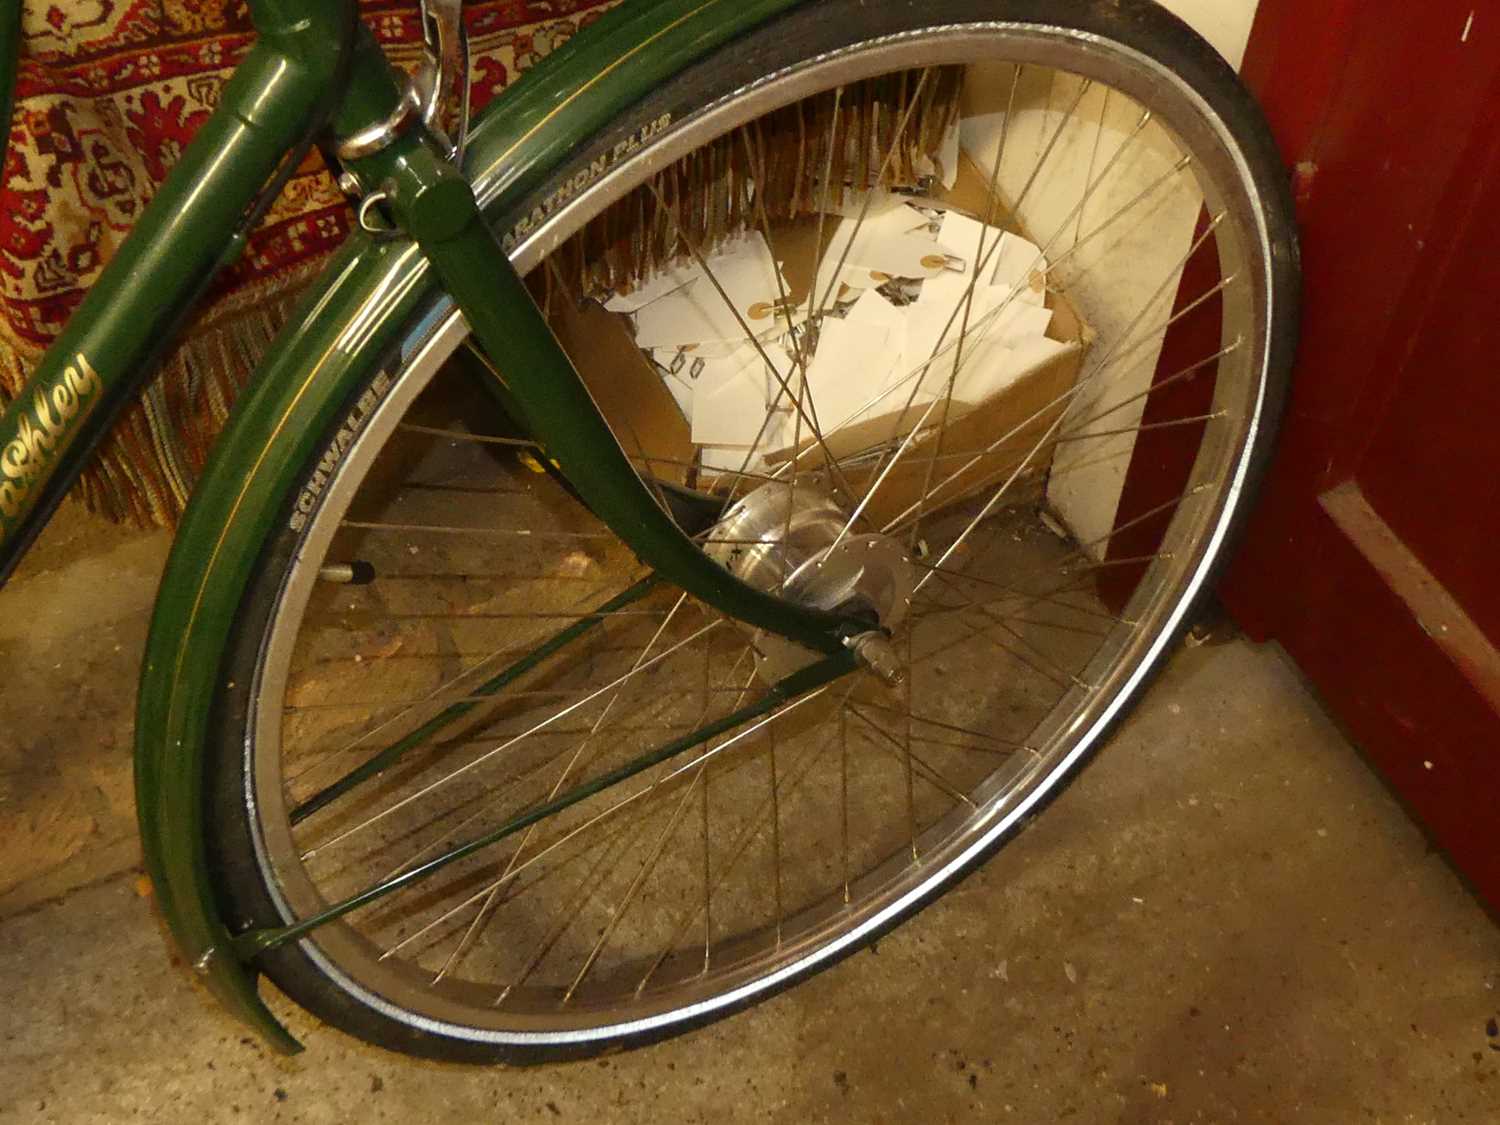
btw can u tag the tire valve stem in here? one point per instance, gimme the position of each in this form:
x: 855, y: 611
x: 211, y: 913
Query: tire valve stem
x: 356, y: 573
x: 875, y: 652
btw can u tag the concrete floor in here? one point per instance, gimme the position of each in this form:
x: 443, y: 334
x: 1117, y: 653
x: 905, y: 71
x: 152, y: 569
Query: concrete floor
x: 1227, y: 919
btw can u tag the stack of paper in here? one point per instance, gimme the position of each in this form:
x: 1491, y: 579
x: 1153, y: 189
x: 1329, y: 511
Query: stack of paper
x: 917, y: 305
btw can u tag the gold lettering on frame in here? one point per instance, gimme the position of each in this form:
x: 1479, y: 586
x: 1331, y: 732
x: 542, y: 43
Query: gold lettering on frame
x: 44, y: 426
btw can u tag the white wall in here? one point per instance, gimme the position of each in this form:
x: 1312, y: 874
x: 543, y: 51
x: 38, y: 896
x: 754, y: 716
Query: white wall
x: 1224, y: 23
x: 1124, y: 280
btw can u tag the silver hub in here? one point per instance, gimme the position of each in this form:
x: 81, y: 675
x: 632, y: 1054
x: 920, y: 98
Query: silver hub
x: 792, y: 542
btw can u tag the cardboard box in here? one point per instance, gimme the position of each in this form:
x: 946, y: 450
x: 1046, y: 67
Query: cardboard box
x: 656, y: 435
x: 1020, y: 414
x: 626, y: 387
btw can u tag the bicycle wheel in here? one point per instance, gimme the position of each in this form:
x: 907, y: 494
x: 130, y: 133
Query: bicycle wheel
x: 1009, y: 378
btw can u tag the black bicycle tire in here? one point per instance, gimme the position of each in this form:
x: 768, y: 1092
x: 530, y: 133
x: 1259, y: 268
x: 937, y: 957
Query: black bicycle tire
x: 800, y: 34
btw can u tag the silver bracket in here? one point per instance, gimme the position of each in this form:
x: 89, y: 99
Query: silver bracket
x: 443, y: 73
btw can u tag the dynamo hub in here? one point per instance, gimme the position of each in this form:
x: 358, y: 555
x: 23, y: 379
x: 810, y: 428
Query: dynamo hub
x: 795, y: 541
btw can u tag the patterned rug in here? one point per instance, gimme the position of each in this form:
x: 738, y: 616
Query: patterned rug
x: 109, y: 92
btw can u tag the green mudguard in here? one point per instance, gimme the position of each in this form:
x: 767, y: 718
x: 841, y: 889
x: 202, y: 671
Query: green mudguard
x: 346, y: 327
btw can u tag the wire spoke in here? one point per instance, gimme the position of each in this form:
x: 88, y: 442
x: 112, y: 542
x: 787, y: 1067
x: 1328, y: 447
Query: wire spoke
x: 789, y: 782
x: 488, y: 908
x: 1059, y: 675
x: 993, y: 316
x: 506, y: 745
x: 968, y: 298
x: 653, y: 790
x: 917, y: 766
x: 751, y: 338
x: 434, y: 695
x: 1086, y: 379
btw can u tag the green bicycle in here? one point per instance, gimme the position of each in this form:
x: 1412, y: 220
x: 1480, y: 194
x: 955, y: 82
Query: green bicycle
x: 708, y: 508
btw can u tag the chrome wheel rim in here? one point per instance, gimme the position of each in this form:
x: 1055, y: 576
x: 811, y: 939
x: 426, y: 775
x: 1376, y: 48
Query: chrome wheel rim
x: 993, y: 807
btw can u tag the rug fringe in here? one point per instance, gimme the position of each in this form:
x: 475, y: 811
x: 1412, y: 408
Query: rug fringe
x: 778, y: 161
x: 145, y: 470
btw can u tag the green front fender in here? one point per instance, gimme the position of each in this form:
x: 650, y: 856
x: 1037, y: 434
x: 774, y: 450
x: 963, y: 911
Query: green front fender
x: 346, y: 326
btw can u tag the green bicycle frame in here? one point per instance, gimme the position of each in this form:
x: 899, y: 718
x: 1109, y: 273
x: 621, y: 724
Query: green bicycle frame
x: 312, y: 65
x: 198, y: 223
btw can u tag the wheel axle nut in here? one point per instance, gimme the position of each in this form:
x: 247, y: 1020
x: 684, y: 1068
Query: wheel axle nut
x: 875, y: 652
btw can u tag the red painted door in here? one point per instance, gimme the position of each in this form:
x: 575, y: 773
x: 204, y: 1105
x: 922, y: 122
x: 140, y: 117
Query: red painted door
x: 1374, y: 555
